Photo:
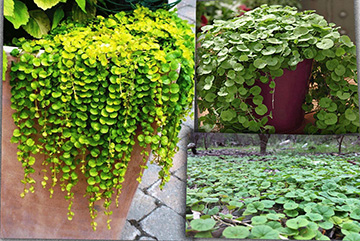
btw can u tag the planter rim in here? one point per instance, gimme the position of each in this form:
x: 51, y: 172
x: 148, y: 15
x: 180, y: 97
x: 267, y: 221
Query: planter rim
x: 8, y: 49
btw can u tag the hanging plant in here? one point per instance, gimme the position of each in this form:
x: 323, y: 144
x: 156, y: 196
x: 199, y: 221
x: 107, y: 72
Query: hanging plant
x: 235, y: 55
x: 80, y: 97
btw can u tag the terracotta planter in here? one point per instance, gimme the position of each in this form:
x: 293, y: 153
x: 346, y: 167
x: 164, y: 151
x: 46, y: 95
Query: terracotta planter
x: 286, y: 102
x: 38, y: 216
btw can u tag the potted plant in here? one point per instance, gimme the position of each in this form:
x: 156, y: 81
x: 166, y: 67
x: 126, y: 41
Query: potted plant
x: 244, y: 62
x: 90, y: 102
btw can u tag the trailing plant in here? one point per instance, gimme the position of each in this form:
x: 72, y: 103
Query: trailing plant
x: 234, y: 55
x: 81, y: 100
x: 310, y: 197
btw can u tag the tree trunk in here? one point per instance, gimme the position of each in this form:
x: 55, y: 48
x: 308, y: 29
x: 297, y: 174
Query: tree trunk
x: 340, y: 140
x: 264, y: 138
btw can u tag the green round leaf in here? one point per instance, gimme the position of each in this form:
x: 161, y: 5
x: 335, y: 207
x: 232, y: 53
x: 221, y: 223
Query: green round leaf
x: 202, y: 224
x: 91, y: 181
x: 351, y: 114
x: 352, y: 237
x: 355, y: 214
x: 228, y: 115
x: 314, y: 216
x: 350, y: 227
x: 291, y: 205
x: 305, y: 234
x: 260, y: 63
x: 258, y: 220
x: 325, y: 44
x: 296, y: 223
x: 210, y: 97
x: 340, y: 70
x: 236, y: 232
x: 291, y: 213
x: 330, y: 118
x: 264, y: 232
x: 261, y: 109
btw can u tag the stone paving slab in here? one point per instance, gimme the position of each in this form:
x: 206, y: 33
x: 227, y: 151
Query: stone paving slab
x: 165, y: 224
x: 172, y: 194
x: 180, y: 157
x: 181, y: 173
x: 129, y: 232
x: 141, y: 205
x: 150, y: 176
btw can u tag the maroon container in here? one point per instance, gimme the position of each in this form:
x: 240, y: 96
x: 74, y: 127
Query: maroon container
x: 286, y: 104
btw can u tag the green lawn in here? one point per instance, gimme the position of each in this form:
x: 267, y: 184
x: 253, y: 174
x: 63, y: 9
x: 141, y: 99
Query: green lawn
x: 310, y: 197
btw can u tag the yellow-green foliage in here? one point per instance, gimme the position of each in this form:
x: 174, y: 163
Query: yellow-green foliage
x: 4, y: 64
x: 92, y: 88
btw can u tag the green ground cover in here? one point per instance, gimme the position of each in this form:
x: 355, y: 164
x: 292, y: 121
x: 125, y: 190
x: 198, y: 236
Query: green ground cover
x: 309, y: 197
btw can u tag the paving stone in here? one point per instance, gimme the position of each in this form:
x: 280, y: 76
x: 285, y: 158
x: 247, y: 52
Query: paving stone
x: 188, y: 12
x: 188, y: 3
x: 141, y: 205
x: 129, y: 232
x: 185, y: 131
x: 183, y: 143
x: 181, y: 173
x: 164, y: 224
x: 179, y: 160
x: 172, y: 195
x: 146, y: 238
x: 150, y: 176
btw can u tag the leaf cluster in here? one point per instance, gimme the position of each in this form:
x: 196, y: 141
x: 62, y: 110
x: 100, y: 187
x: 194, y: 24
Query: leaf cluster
x: 38, y: 17
x: 283, y: 196
x: 235, y: 55
x: 80, y: 97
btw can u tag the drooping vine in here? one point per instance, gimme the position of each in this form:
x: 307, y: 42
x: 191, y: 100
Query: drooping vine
x: 82, y: 94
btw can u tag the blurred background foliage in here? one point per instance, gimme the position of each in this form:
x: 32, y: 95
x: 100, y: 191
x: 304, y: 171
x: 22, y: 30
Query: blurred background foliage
x: 208, y: 11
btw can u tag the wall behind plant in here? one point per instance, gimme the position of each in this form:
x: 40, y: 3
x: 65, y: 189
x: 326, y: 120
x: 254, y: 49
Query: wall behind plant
x: 339, y: 12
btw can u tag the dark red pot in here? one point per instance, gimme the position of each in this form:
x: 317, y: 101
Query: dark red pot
x: 286, y: 104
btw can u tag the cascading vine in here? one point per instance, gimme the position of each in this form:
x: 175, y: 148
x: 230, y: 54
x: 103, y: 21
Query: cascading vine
x: 81, y: 100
